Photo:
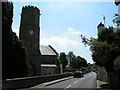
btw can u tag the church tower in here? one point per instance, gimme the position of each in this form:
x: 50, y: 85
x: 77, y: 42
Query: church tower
x: 43, y: 59
x: 29, y: 28
x: 30, y: 33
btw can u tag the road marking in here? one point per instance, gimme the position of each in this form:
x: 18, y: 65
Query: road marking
x: 76, y: 81
x: 67, y: 87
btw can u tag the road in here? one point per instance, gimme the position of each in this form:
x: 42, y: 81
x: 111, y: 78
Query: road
x: 88, y: 81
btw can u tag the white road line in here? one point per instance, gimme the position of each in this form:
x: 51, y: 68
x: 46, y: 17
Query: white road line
x: 67, y: 87
x: 75, y: 82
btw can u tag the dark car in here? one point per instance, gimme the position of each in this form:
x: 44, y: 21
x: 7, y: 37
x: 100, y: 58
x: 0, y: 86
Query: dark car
x: 78, y: 74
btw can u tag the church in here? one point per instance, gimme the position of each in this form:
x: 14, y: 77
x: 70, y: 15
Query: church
x: 43, y: 58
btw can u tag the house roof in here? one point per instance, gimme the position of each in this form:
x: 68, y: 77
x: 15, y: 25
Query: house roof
x: 47, y: 50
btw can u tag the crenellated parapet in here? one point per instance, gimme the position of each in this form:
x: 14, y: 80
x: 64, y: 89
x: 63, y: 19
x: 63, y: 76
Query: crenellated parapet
x: 32, y: 8
x: 30, y: 15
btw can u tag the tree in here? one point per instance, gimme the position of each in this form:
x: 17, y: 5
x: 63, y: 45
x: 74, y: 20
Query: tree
x: 63, y: 59
x: 70, y: 57
x: 79, y: 62
x: 105, y: 48
x: 116, y: 20
x: 104, y: 54
x: 117, y: 63
x: 106, y: 35
x: 14, y: 63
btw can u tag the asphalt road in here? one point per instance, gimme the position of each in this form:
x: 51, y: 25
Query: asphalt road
x: 86, y: 82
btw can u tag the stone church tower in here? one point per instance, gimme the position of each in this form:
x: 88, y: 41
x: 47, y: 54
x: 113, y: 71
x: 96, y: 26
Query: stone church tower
x: 43, y: 59
x: 30, y: 33
x: 29, y: 28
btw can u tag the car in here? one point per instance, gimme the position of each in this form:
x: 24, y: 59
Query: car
x: 78, y: 74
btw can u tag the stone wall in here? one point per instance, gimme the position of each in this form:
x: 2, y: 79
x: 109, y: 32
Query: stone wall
x: 101, y: 73
x: 19, y: 83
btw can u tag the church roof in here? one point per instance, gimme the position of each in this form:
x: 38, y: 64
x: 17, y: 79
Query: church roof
x: 47, y: 50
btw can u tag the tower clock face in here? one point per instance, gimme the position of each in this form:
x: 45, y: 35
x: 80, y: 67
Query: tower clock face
x: 31, y: 32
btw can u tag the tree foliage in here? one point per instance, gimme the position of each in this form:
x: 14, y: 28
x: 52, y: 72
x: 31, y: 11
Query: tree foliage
x: 116, y: 20
x: 70, y: 57
x: 13, y: 51
x: 75, y: 62
x: 79, y: 62
x: 63, y: 59
x: 117, y: 63
x: 105, y: 48
x: 106, y: 35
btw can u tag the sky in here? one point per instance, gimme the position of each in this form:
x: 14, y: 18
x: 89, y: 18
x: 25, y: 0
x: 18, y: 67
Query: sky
x: 62, y: 23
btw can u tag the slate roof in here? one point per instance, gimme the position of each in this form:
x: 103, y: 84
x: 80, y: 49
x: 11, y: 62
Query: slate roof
x: 48, y: 50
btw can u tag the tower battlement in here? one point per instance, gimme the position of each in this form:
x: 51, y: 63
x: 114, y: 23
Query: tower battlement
x: 33, y: 8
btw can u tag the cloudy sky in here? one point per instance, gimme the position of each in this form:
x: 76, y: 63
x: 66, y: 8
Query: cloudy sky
x: 62, y: 23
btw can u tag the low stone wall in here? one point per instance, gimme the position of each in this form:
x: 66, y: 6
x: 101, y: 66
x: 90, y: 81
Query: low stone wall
x: 26, y: 82
x: 101, y: 74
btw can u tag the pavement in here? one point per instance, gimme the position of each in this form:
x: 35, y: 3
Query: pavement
x: 102, y: 85
x: 52, y: 82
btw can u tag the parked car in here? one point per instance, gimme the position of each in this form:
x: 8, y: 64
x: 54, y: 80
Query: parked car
x: 78, y: 74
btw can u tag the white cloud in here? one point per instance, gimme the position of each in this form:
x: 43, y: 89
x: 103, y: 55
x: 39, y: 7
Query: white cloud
x: 64, y: 43
x: 72, y: 31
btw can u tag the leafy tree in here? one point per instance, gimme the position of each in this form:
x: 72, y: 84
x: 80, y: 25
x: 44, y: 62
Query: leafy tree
x: 63, y: 59
x: 116, y: 20
x: 117, y: 38
x: 107, y: 35
x: 70, y: 57
x: 83, y: 62
x: 105, y: 48
x: 13, y: 52
x: 79, y: 62
x: 104, y: 54
x: 117, y: 63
